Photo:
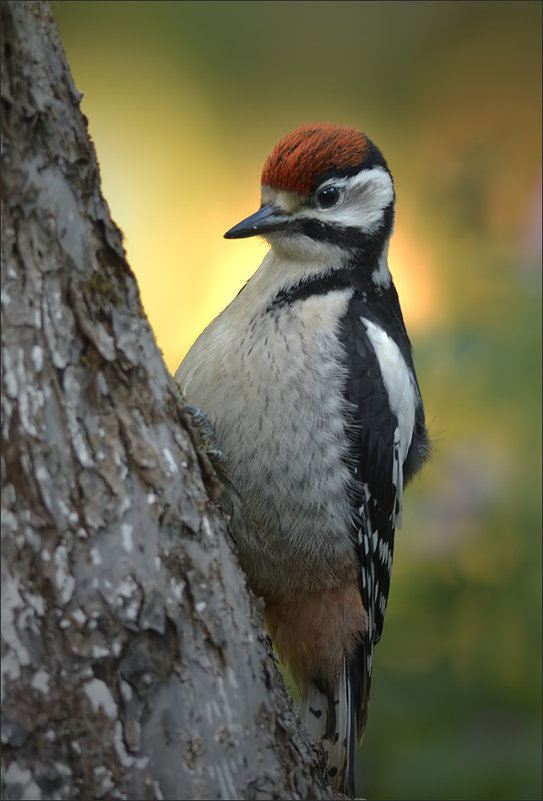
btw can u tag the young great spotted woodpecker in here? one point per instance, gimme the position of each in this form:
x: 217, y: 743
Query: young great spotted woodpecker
x: 305, y: 384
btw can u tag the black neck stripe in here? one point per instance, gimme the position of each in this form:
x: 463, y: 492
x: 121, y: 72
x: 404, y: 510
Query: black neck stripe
x: 312, y: 285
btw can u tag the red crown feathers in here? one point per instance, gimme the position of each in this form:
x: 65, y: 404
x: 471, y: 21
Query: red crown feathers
x: 299, y: 159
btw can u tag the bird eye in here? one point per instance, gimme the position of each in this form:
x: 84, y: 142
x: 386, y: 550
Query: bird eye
x: 328, y: 197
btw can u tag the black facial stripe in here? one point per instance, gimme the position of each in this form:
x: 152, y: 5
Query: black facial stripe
x: 345, y: 236
x: 388, y: 218
x: 348, y: 237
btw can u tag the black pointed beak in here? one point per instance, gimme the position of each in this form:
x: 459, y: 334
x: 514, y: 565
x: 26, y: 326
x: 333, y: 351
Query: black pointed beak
x: 268, y: 218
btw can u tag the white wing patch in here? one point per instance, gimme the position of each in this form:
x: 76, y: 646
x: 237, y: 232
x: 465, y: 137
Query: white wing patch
x: 402, y: 398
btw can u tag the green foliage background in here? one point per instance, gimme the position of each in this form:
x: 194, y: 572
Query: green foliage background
x: 450, y: 91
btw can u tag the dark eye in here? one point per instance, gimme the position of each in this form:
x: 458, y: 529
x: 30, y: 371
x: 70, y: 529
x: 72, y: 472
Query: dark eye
x: 327, y: 197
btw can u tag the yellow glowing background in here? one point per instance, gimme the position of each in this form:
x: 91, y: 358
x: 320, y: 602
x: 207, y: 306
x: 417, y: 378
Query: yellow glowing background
x: 185, y: 100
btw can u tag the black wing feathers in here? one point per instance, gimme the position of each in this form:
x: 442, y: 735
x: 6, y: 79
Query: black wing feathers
x: 371, y: 434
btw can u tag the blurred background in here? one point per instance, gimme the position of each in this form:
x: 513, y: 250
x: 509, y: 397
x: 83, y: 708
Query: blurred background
x: 184, y: 102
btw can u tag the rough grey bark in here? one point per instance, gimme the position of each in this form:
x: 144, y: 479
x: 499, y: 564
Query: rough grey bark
x: 134, y: 660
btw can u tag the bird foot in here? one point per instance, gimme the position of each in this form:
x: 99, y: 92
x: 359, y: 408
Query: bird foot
x: 206, y: 437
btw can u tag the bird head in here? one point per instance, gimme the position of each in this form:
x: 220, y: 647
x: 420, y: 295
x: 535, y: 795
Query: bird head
x: 324, y: 188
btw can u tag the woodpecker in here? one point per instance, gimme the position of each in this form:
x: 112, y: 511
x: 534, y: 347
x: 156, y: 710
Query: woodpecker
x: 306, y: 389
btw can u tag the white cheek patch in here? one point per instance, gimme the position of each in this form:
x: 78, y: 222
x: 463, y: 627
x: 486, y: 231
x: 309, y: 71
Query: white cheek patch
x: 371, y: 193
x: 366, y: 196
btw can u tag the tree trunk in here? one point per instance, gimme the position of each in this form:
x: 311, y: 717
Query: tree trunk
x: 134, y: 663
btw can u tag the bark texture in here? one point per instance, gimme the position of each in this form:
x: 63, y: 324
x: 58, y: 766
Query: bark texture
x: 134, y: 662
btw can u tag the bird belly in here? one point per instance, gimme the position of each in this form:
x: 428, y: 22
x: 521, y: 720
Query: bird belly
x: 275, y: 396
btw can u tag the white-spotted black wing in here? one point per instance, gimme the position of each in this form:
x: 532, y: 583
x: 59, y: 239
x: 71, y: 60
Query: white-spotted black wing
x: 383, y: 397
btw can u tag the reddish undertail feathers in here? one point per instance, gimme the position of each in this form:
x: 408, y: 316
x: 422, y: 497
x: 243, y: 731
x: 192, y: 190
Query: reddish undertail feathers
x: 330, y: 147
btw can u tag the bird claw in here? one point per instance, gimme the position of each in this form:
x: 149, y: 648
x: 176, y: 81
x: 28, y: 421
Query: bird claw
x: 207, y: 437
